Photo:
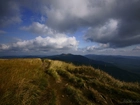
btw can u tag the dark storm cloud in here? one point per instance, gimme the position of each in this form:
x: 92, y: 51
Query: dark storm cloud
x: 112, y: 22
x: 9, y: 12
x: 127, y: 30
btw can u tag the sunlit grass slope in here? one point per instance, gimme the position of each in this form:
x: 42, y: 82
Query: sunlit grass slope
x: 52, y: 82
x: 22, y: 81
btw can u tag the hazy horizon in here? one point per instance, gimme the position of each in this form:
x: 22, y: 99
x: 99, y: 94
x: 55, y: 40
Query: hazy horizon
x: 43, y: 55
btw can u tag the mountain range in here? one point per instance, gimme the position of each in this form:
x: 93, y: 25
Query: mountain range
x: 123, y: 68
x: 110, y: 68
x: 130, y: 63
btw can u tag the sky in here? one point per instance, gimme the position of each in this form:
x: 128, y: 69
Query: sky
x: 50, y: 27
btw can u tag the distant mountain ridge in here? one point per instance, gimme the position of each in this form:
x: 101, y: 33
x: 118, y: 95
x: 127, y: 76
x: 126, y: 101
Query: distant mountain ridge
x: 107, y: 67
x: 91, y: 60
x: 129, y: 63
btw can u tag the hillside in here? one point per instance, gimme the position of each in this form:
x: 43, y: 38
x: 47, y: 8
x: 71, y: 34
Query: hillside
x: 130, y: 63
x: 108, y: 67
x: 51, y: 82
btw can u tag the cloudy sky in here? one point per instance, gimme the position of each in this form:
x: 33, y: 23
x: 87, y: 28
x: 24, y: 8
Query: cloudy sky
x: 48, y: 27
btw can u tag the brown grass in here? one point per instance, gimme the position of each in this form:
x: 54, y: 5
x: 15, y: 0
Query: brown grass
x: 21, y: 81
x: 48, y: 82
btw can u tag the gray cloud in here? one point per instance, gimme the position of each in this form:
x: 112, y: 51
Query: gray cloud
x: 110, y: 33
x: 126, y: 32
x: 9, y: 12
x: 42, y: 29
x: 116, y: 22
x: 96, y: 47
x: 137, y: 48
x: 100, y: 16
x: 2, y: 32
x: 70, y: 15
x: 104, y: 49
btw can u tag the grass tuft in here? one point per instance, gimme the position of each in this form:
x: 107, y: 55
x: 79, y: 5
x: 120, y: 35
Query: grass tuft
x: 76, y: 96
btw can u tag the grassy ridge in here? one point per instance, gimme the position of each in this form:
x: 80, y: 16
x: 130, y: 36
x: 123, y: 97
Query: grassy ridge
x: 52, y: 82
x: 93, y: 85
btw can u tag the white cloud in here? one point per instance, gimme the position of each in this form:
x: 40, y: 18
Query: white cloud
x: 38, y: 28
x: 42, y: 29
x: 40, y: 44
x: 4, y: 47
x: 96, y: 47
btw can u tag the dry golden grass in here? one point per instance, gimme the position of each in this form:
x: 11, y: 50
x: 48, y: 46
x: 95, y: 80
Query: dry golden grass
x: 98, y: 86
x: 21, y: 81
x: 49, y: 82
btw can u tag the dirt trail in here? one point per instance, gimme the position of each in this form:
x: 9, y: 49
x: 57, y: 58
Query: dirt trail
x: 62, y: 97
x: 57, y: 88
x: 45, y: 64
